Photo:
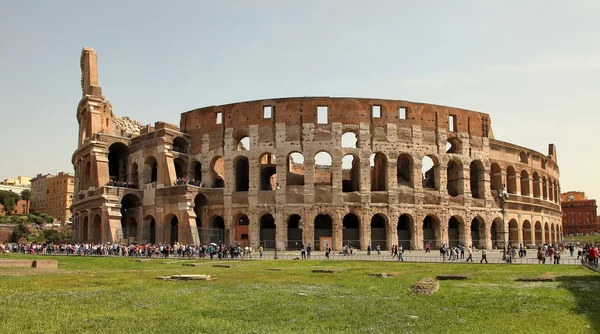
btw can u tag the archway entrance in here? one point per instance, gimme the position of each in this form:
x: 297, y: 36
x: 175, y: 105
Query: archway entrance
x: 85, y: 229
x: 351, y: 231
x: 323, y: 231
x: 217, y: 230
x: 241, y: 230
x: 97, y: 229
x: 117, y: 160
x: 378, y: 231
x: 294, y: 233
x: 130, y: 206
x: 431, y: 231
x: 527, y: 231
x: 151, y: 223
x: 539, y: 239
x: 513, y: 233
x: 173, y: 229
x: 404, y: 235
x: 496, y: 233
x: 454, y: 229
x: 267, y: 231
x: 477, y: 235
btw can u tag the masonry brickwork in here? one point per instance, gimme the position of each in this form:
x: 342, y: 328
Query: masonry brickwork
x: 579, y: 213
x: 277, y: 172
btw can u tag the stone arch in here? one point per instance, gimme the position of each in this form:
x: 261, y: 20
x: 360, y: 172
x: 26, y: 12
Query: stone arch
x: 180, y: 167
x: 85, y: 229
x: 430, y: 172
x: 323, y: 226
x: 525, y: 183
x: 242, y: 224
x: 536, y: 185
x: 150, y: 222
x: 180, y: 145
x: 404, y: 230
x: 323, y: 167
x: 242, y: 140
x: 432, y: 232
x: 87, y: 176
x: 242, y: 173
x: 267, y: 231
x: 544, y: 188
x: 513, y: 233
x: 456, y: 231
x: 405, y: 170
x: 117, y: 161
x: 511, y: 180
x: 217, y: 230
x: 197, y: 167
x: 379, y: 224
x: 527, y: 233
x: 454, y: 145
x: 478, y: 232
x: 171, y: 228
x: 552, y: 233
x: 151, y: 167
x: 496, y: 233
x: 294, y: 232
x: 455, y: 178
x: 295, y: 169
x: 134, y: 174
x: 351, y: 231
x: 97, y: 229
x: 350, y: 173
x: 496, y: 177
x: 268, y: 172
x: 379, y: 167
x: 349, y: 139
x: 539, y: 233
x: 131, y: 206
x: 201, y: 210
x: 217, y: 172
x: 548, y: 238
x: 477, y: 176
x: 523, y: 157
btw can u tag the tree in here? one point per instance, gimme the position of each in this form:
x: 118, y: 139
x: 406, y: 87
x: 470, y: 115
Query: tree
x: 9, y: 200
x: 26, y: 195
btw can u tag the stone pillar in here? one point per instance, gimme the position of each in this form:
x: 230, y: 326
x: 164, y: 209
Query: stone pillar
x: 365, y: 229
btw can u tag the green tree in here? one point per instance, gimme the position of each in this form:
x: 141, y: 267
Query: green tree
x: 19, y: 232
x: 9, y: 200
x: 26, y: 195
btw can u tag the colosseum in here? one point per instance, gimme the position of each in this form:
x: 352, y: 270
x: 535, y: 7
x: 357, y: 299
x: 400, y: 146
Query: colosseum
x: 288, y: 172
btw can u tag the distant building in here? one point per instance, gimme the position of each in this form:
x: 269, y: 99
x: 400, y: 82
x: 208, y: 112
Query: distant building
x: 59, y: 196
x: 579, y: 213
x: 15, y: 185
x: 20, y: 209
x: 39, y: 189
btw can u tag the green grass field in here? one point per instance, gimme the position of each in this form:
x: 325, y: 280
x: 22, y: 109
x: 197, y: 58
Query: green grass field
x: 117, y: 295
x: 583, y: 238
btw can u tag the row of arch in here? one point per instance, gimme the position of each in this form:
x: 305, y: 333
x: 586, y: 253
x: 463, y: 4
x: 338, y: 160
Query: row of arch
x: 524, y: 183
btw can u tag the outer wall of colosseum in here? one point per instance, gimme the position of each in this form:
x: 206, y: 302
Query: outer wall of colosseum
x: 318, y: 170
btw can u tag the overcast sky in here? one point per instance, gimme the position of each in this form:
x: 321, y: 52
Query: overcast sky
x: 534, y: 66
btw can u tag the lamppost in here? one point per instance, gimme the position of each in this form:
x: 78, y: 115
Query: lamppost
x: 277, y: 187
x: 503, y: 196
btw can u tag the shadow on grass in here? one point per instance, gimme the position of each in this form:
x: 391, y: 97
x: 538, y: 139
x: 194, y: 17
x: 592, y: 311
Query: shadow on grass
x: 585, y: 289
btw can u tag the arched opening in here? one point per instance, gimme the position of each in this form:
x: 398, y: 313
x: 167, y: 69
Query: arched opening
x: 544, y: 188
x: 172, y: 224
x: 130, y: 206
x: 217, y: 230
x: 351, y: 231
x: 135, y: 178
x: 453, y: 145
x: 117, y: 162
x: 378, y: 163
x: 456, y: 231
x: 267, y: 231
x: 430, y: 172
x: 496, y: 233
x: 527, y: 233
x: 242, y: 224
x: 525, y: 183
x: 179, y: 165
x: 350, y: 173
x: 404, y: 231
x: 201, y: 210
x: 404, y: 170
x: 455, y: 178
x: 477, y: 232
x: 295, y: 169
x: 477, y: 175
x: 217, y: 169
x: 243, y: 144
x: 197, y: 171
x: 323, y: 231
x: 242, y: 173
x: 431, y: 231
x: 496, y: 177
x: 87, y: 176
x: 294, y: 232
x: 523, y: 157
x: 513, y: 233
x: 511, y: 179
x: 323, y: 163
x: 268, y: 172
x: 151, y: 223
x: 378, y: 231
x: 536, y: 185
x: 551, y: 188
x: 179, y: 145
x: 97, y: 229
x: 151, y: 166
x: 349, y: 140
x: 539, y: 239
x: 85, y: 229
x: 547, y: 233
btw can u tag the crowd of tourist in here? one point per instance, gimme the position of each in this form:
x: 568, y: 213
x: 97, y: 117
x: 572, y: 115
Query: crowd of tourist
x: 186, y: 180
x: 123, y: 184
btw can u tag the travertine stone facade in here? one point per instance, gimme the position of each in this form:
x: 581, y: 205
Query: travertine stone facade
x: 316, y: 170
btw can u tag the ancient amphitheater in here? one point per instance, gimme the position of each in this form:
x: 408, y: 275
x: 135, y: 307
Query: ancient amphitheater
x: 318, y: 170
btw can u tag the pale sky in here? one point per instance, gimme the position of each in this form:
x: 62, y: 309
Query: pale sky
x: 534, y: 66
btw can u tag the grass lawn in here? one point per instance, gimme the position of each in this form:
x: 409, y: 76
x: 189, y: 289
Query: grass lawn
x: 120, y: 295
x: 583, y: 238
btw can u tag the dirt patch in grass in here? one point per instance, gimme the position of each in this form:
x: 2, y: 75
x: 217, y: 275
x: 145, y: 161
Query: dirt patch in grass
x: 545, y: 277
x: 427, y: 286
x: 383, y: 275
x: 221, y: 266
x: 326, y: 271
x: 453, y: 277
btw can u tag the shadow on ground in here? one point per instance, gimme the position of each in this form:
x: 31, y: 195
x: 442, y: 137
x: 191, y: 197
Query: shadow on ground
x: 586, y: 290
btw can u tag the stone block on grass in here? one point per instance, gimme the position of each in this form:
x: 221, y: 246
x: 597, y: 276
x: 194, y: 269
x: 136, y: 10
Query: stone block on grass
x: 221, y: 266
x: 427, y: 286
x: 45, y: 264
x: 325, y: 271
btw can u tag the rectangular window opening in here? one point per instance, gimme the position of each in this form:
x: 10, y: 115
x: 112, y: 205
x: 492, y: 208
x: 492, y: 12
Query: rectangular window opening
x: 452, y: 123
x: 376, y: 111
x: 219, y: 118
x: 268, y: 112
x: 402, y: 113
x: 244, y: 237
x: 322, y: 114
